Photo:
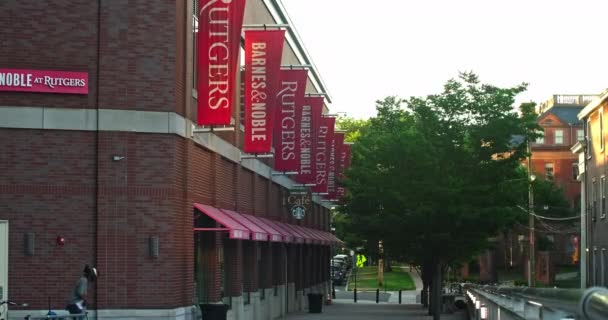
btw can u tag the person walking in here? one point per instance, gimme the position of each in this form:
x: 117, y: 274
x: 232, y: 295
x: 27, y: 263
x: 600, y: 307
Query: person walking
x: 78, y: 297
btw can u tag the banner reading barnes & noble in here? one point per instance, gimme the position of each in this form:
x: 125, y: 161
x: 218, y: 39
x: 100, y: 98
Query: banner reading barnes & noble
x: 310, y: 118
x: 219, y: 39
x: 290, y: 99
x: 263, y: 50
x: 325, y: 138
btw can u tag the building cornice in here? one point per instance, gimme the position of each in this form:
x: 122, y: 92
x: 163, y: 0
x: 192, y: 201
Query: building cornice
x: 593, y: 105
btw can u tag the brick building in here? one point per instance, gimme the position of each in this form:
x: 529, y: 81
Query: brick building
x: 119, y: 177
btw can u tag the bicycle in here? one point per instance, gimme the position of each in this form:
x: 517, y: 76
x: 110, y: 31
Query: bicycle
x: 50, y: 315
x: 7, y: 303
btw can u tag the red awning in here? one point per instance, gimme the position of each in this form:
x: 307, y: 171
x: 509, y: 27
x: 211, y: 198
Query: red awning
x: 287, y: 235
x: 311, y: 236
x: 324, y: 240
x: 235, y: 229
x: 274, y: 235
x: 314, y: 235
x: 257, y: 233
x: 301, y: 237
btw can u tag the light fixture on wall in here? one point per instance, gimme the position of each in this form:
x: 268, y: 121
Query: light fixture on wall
x: 154, y: 243
x: 117, y: 158
x: 29, y: 243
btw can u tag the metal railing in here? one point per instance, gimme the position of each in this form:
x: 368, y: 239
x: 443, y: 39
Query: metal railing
x: 546, y: 303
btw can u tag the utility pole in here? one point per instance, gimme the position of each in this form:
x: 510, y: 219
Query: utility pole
x: 531, y: 263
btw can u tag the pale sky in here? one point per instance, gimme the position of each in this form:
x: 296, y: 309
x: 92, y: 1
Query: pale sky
x: 366, y: 50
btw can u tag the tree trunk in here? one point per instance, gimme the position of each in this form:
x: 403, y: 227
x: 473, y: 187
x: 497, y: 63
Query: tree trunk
x: 437, y: 292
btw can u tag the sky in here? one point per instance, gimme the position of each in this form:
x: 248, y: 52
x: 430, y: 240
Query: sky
x: 367, y: 50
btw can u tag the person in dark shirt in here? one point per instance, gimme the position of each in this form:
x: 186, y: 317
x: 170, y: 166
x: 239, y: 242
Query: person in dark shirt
x: 78, y: 296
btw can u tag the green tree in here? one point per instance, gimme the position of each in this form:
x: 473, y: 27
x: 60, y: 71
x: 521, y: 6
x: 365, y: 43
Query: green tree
x: 351, y: 126
x: 425, y: 174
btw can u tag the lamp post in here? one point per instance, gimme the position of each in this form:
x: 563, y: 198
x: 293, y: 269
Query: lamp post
x: 531, y: 263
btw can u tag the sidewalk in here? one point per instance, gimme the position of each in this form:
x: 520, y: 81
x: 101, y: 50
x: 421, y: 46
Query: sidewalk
x: 367, y: 311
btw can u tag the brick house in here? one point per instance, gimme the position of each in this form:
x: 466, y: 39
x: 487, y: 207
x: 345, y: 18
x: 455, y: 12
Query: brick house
x: 123, y: 178
x: 552, y: 160
x: 592, y: 175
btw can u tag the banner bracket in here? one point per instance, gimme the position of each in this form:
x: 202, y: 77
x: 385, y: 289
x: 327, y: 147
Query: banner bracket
x: 284, y: 173
x: 211, y: 129
x: 266, y: 26
x: 296, y: 66
x: 256, y: 155
x: 304, y: 185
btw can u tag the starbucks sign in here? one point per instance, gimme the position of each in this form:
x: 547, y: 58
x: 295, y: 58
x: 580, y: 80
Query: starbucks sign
x: 298, y: 202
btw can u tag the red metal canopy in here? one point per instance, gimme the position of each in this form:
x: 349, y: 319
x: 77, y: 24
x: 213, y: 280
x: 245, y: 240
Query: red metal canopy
x: 274, y: 235
x: 288, y: 235
x: 235, y: 229
x: 257, y: 233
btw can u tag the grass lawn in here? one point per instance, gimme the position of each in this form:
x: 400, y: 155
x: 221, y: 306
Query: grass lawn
x: 367, y: 279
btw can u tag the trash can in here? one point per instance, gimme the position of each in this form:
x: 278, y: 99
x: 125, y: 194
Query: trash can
x: 214, y: 311
x: 315, y: 302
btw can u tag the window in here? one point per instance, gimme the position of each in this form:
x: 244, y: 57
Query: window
x: 549, y: 171
x: 580, y: 135
x: 574, y: 171
x: 603, y: 267
x: 593, y: 200
x: 603, y: 200
x: 589, y: 139
x: 559, y: 136
x: 601, y: 133
x: 594, y: 266
x: 541, y: 138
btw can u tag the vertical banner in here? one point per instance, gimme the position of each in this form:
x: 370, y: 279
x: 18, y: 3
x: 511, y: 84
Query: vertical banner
x: 334, y: 165
x: 342, y: 166
x: 290, y: 98
x: 263, y: 50
x: 219, y: 39
x: 325, y: 138
x: 311, y: 117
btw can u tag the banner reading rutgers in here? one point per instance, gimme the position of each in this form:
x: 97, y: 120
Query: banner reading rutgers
x: 290, y: 99
x: 334, y: 165
x: 310, y: 118
x: 263, y: 50
x: 219, y: 39
x: 325, y: 138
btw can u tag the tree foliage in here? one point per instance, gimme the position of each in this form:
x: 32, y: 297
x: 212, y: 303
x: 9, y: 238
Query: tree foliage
x: 426, y: 172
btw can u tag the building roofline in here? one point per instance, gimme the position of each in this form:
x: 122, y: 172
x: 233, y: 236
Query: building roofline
x: 278, y: 12
x: 593, y: 105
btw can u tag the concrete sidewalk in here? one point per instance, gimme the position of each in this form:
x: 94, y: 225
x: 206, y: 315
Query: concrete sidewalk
x: 370, y: 311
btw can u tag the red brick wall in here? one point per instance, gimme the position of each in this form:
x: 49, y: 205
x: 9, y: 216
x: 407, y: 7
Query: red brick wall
x: 225, y: 184
x: 260, y: 197
x: 47, y: 187
x: 49, y: 36
x: 245, y: 187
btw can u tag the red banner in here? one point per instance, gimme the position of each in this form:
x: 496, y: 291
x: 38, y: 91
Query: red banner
x: 46, y: 81
x: 343, y: 165
x: 325, y: 138
x: 290, y: 99
x: 334, y: 165
x: 219, y: 39
x: 263, y: 50
x: 309, y: 124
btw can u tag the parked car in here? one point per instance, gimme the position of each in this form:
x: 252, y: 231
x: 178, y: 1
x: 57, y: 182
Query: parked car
x: 345, y: 259
x: 338, y: 274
